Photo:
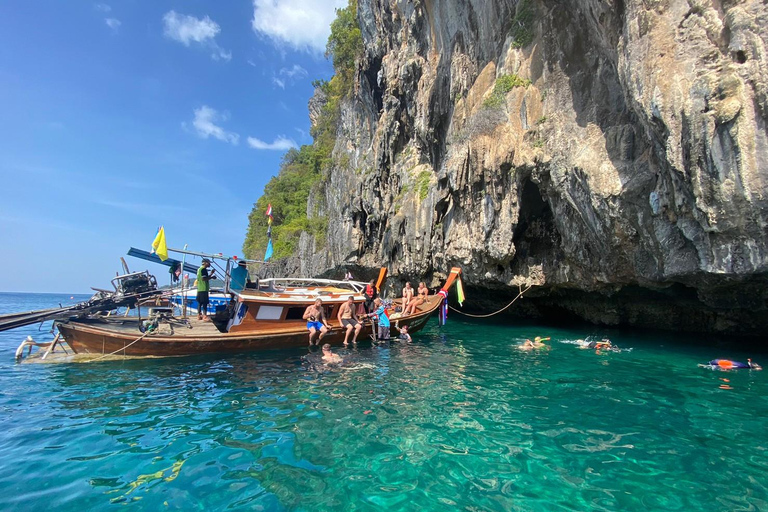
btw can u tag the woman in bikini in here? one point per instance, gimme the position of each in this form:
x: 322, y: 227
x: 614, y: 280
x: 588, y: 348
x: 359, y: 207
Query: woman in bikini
x: 421, y: 298
x: 407, y: 296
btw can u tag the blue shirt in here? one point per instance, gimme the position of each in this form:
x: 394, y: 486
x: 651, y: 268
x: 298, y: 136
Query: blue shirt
x: 383, y: 319
x: 238, y: 277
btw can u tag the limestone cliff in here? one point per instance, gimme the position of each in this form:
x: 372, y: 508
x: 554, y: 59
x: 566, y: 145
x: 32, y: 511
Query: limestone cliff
x: 612, y: 151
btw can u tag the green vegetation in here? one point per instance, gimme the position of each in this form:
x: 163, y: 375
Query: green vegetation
x: 522, y: 24
x: 302, y: 170
x: 503, y: 85
x: 422, y: 184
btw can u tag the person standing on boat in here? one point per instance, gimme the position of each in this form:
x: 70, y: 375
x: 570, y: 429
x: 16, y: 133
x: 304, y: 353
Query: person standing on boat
x: 203, y: 287
x: 380, y: 314
x: 370, y: 295
x: 316, y: 322
x: 347, y: 317
x: 238, y: 278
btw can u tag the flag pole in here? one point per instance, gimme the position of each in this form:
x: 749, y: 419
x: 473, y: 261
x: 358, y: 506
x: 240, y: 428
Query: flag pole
x: 270, y: 249
x: 183, y: 290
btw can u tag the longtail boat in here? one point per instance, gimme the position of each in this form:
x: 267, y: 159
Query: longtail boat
x: 263, y: 318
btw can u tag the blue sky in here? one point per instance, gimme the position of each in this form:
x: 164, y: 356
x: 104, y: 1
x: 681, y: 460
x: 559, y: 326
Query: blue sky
x: 118, y: 117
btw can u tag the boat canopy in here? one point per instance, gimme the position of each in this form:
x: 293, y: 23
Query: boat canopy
x: 154, y: 258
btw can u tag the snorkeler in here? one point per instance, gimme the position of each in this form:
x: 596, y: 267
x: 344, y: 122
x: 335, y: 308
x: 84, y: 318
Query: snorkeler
x: 727, y: 364
x: 536, y: 343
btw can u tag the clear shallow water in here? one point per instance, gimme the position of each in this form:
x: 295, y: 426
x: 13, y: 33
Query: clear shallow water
x: 460, y: 419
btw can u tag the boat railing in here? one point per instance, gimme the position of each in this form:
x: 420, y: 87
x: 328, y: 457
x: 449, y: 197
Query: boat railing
x: 278, y: 283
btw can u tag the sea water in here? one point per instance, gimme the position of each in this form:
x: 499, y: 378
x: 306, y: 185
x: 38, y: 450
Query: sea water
x: 460, y: 419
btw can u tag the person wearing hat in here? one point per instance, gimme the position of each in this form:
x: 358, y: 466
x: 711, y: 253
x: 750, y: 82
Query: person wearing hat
x: 238, y: 277
x: 203, y: 287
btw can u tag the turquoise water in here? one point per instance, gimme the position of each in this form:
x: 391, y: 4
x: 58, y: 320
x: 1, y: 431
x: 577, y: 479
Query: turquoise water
x: 460, y: 419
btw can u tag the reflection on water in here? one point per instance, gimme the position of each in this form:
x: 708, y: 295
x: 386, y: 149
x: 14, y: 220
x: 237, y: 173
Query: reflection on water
x: 458, y: 419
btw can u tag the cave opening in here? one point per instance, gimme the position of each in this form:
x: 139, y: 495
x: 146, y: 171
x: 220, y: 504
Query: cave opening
x: 372, y: 75
x: 535, y: 236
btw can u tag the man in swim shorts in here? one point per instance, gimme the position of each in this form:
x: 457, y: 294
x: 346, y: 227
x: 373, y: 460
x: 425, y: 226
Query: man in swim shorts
x: 316, y: 323
x: 347, y: 317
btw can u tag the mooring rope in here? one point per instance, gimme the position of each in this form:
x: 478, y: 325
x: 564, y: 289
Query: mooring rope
x: 118, y: 350
x: 495, y: 312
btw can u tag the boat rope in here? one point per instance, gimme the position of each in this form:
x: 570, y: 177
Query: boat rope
x: 118, y: 350
x: 495, y: 312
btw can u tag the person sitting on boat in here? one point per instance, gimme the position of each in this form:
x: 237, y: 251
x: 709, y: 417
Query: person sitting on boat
x: 203, y: 287
x: 421, y: 298
x: 380, y: 314
x: 316, y: 322
x: 329, y: 356
x: 407, y: 296
x: 370, y: 295
x: 403, y: 336
x: 347, y: 317
x: 239, y: 277
x: 537, y: 343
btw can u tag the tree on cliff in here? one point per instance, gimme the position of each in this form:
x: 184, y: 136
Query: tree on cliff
x: 301, y: 171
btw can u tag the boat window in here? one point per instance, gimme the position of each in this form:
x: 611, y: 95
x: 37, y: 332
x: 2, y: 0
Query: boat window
x: 295, y: 313
x: 269, y: 313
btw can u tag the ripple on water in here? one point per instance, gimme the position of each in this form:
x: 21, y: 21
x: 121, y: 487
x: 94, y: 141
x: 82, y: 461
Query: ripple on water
x: 460, y: 419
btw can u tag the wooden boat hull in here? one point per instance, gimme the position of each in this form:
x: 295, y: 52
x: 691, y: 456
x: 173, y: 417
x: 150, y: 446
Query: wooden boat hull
x: 99, y: 337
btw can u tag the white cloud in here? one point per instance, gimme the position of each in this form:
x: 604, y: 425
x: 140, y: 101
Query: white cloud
x: 280, y: 144
x: 205, y: 125
x: 301, y: 24
x: 188, y: 29
x: 286, y: 75
x: 294, y: 72
x: 102, y: 7
x: 113, y: 23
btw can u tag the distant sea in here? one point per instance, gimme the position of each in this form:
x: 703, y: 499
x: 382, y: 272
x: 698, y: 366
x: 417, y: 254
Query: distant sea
x: 458, y: 420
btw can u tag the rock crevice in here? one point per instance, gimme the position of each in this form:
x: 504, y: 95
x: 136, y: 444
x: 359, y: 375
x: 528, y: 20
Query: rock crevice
x: 614, y: 151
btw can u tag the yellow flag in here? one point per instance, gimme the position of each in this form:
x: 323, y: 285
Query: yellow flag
x: 158, y: 246
x: 460, y: 292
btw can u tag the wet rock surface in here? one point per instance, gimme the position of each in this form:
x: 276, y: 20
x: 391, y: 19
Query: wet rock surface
x: 625, y: 171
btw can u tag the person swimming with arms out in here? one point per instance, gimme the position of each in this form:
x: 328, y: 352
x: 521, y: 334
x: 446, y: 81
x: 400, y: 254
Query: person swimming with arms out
x: 537, y: 343
x: 597, y: 345
x: 727, y: 364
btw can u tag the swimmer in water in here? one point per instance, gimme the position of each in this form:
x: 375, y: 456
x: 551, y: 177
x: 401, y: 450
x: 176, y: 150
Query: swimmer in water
x: 727, y: 364
x: 597, y: 345
x: 404, y: 336
x: 535, y: 344
x: 329, y: 357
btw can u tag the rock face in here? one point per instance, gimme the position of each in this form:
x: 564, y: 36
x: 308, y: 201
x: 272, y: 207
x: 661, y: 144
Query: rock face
x: 614, y: 152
